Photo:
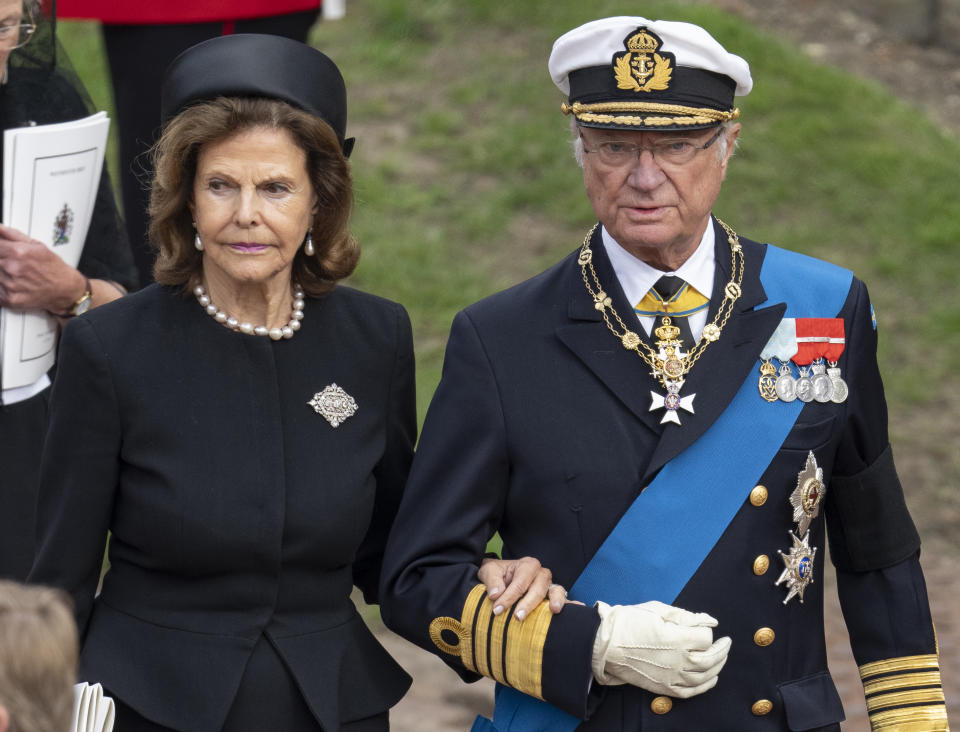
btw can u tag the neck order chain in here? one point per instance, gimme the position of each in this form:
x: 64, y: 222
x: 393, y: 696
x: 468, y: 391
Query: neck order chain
x: 232, y: 323
x: 668, y: 364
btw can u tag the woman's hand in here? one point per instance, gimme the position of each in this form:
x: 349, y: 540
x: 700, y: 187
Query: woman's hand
x: 32, y: 276
x: 508, y: 580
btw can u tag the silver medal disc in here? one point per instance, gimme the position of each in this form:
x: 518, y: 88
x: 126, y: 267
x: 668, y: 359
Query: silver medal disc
x: 840, y: 390
x: 786, y: 387
x: 822, y: 387
x: 805, y: 389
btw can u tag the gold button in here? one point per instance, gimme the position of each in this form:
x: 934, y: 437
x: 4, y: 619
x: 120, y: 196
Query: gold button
x: 661, y: 705
x: 761, y: 707
x: 761, y: 564
x: 758, y: 496
x: 764, y: 636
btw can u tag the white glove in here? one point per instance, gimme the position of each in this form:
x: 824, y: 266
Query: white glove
x: 659, y: 648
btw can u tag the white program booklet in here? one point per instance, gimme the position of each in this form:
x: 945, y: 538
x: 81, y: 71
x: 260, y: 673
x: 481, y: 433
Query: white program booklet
x: 50, y: 179
x: 92, y: 711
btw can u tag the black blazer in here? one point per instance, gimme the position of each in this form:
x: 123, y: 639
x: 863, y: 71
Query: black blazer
x: 541, y: 430
x: 235, y: 509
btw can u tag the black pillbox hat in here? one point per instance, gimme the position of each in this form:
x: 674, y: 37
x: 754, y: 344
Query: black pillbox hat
x: 257, y: 65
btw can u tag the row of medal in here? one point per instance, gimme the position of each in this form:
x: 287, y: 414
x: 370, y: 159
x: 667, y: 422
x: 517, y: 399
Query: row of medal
x: 814, y: 345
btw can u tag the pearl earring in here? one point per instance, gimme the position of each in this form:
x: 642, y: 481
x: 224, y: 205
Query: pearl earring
x: 197, y: 243
x: 308, y: 248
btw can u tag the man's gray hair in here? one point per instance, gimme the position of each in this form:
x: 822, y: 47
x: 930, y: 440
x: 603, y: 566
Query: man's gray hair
x: 578, y: 141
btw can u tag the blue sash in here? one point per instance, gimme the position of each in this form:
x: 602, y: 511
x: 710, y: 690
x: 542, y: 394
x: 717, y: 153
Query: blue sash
x: 644, y: 558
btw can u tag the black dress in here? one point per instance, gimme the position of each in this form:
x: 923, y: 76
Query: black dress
x: 34, y: 96
x: 240, y: 517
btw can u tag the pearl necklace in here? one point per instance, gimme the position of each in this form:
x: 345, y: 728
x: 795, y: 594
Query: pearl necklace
x: 232, y: 323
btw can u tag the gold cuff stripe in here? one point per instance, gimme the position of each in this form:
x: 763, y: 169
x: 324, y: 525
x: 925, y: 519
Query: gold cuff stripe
x: 901, y: 681
x: 714, y: 115
x: 468, y: 652
x: 904, y: 663
x: 911, y: 719
x: 481, y: 637
x: 498, y: 646
x: 497, y: 633
x: 903, y: 698
x: 525, y: 650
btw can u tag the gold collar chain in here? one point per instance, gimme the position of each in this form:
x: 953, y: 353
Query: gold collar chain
x: 669, y: 364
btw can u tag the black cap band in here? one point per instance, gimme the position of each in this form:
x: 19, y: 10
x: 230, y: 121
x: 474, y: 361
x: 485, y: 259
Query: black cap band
x: 690, y: 87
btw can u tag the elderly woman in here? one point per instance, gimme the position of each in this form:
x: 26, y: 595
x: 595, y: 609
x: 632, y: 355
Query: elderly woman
x: 34, y: 90
x: 243, y: 428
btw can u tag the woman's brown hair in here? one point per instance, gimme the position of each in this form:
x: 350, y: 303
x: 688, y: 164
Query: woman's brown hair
x: 175, y: 162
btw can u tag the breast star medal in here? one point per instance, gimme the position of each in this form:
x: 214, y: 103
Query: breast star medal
x: 334, y: 405
x: 798, y: 567
x: 808, y: 494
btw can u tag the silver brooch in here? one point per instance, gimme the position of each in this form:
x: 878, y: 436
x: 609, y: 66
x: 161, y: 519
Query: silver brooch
x: 333, y: 404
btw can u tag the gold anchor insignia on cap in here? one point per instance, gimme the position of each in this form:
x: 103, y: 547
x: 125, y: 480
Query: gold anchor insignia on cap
x: 808, y: 494
x: 641, y: 68
x: 334, y: 404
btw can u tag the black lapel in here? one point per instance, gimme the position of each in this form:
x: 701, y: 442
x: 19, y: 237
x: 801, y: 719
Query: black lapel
x: 622, y: 371
x: 721, y: 369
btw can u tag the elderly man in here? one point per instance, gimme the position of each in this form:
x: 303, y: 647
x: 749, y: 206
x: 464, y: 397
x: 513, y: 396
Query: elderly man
x: 667, y: 419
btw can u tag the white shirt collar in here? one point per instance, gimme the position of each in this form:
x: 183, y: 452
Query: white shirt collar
x: 637, y: 277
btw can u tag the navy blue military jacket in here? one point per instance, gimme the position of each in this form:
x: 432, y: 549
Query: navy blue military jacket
x: 541, y: 430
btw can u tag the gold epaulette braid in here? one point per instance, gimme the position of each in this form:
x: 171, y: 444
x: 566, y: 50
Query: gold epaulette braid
x: 905, y: 694
x: 497, y: 646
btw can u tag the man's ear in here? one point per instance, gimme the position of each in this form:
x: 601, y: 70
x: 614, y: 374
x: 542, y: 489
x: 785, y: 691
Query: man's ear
x: 4, y: 719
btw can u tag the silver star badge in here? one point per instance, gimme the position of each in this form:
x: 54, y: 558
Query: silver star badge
x: 333, y: 404
x: 808, y: 494
x: 798, y: 567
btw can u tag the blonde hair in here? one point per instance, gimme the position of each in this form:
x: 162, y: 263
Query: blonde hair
x: 175, y: 163
x: 38, y: 657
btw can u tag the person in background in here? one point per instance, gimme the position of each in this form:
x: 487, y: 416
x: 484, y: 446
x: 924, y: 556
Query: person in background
x: 141, y: 40
x: 38, y: 659
x: 38, y: 87
x: 668, y: 419
x: 243, y: 428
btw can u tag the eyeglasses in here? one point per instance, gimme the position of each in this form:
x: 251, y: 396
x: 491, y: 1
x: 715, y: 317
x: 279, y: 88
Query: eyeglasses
x: 675, y: 151
x: 16, y: 35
